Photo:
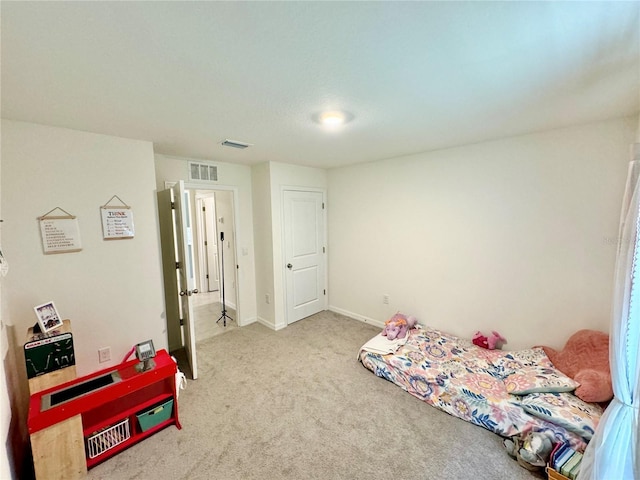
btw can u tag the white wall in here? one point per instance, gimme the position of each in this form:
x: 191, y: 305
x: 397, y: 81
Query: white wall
x: 516, y: 235
x: 225, y: 223
x: 236, y: 178
x: 111, y: 290
x: 6, y: 458
x: 262, y: 228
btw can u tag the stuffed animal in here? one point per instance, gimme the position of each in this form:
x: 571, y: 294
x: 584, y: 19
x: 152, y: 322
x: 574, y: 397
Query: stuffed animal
x: 398, y: 326
x: 585, y: 358
x: 493, y: 341
x: 531, y: 450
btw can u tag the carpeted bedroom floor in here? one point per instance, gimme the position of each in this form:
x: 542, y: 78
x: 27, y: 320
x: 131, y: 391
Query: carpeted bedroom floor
x: 296, y: 404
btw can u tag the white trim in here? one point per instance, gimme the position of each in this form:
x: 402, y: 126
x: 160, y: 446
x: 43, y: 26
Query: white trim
x: 251, y: 320
x: 200, y: 246
x: 298, y: 188
x: 202, y: 251
x: 270, y: 325
x: 356, y: 316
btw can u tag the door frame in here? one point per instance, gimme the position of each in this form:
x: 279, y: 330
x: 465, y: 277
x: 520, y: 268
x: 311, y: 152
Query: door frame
x: 285, y: 293
x: 236, y: 237
x: 203, y: 253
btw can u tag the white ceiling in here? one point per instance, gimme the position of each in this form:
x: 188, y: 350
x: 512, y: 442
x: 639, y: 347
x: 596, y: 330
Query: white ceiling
x: 416, y: 76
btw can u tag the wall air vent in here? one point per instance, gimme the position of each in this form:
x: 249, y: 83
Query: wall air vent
x: 203, y: 172
x: 235, y: 144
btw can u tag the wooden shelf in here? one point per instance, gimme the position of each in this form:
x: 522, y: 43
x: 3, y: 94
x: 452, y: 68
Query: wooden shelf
x: 58, y: 453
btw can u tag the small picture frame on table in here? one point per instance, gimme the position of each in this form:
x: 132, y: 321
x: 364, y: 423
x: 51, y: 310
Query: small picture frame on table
x: 48, y: 317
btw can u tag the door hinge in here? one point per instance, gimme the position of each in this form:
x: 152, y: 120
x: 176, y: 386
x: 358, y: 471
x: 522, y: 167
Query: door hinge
x: 324, y: 292
x: 207, y: 276
x: 173, y: 205
x: 323, y: 250
x: 323, y: 205
x: 181, y: 322
x: 206, y: 243
x: 204, y: 209
x: 177, y: 265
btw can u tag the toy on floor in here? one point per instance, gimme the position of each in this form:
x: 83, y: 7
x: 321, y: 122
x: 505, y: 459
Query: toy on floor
x: 398, y: 326
x: 531, y: 450
x: 493, y: 341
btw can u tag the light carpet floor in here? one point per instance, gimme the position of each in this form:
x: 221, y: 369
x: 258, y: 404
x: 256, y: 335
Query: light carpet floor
x: 296, y: 404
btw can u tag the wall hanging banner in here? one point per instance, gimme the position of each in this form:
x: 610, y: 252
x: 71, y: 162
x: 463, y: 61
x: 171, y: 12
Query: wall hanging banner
x: 117, y: 221
x: 60, y: 233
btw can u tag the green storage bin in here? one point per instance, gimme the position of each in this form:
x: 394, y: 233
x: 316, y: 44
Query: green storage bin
x: 155, y: 415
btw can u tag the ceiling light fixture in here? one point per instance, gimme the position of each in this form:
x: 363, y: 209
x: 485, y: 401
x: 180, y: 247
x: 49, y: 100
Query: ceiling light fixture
x: 235, y: 144
x: 332, y: 118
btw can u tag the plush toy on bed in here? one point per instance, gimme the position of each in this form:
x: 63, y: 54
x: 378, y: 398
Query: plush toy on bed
x: 493, y: 341
x: 398, y: 326
x: 585, y: 358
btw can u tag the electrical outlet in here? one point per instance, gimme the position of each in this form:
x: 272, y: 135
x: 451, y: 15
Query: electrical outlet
x: 104, y: 354
x: 385, y: 299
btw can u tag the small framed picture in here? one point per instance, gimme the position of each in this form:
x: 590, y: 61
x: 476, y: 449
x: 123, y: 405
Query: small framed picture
x: 48, y: 317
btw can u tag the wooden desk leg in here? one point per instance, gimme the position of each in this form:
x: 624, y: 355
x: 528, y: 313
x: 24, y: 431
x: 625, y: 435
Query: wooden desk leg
x: 58, y: 451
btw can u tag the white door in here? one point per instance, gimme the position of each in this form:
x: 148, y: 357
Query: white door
x: 177, y: 248
x: 211, y: 236
x: 169, y: 255
x: 304, y: 250
x: 186, y: 271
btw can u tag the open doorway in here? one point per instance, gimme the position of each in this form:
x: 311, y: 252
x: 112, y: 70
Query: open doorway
x: 192, y: 317
x: 215, y: 261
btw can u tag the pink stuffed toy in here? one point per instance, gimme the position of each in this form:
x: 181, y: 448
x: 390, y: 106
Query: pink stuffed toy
x: 398, y: 326
x: 493, y: 341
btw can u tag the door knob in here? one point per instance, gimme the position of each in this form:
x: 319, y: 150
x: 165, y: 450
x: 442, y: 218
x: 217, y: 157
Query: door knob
x: 182, y: 293
x: 289, y: 266
x: 195, y: 290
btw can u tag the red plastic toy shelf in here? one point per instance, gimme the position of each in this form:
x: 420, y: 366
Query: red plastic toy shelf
x: 103, y: 407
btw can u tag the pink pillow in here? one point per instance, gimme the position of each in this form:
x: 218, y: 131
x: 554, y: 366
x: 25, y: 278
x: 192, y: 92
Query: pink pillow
x: 585, y: 358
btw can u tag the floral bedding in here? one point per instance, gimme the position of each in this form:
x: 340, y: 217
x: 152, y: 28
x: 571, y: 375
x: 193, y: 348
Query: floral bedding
x: 474, y: 384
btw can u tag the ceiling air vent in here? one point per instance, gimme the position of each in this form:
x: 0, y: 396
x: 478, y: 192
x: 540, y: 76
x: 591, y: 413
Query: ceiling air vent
x: 234, y: 144
x: 203, y: 172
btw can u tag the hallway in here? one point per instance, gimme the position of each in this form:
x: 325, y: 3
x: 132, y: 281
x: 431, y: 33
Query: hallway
x: 207, y: 309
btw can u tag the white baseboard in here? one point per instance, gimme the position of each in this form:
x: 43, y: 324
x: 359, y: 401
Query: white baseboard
x: 346, y: 313
x: 270, y: 325
x: 248, y: 321
x: 262, y: 321
x: 356, y: 316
